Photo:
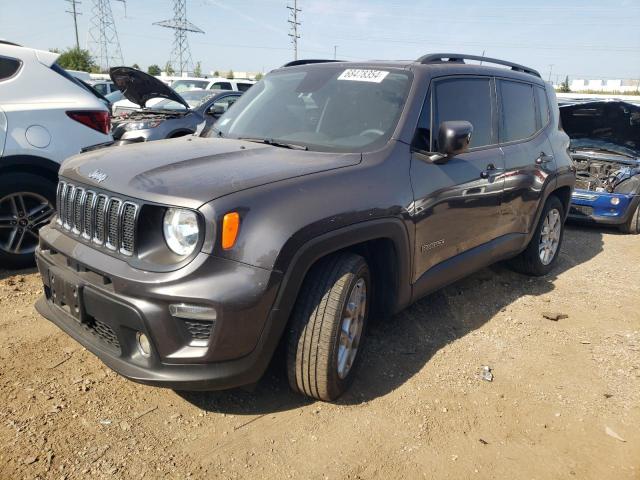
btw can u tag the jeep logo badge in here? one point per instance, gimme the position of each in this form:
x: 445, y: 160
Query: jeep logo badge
x: 98, y: 175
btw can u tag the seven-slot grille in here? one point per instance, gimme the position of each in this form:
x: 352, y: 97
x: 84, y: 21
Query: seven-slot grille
x: 97, y: 217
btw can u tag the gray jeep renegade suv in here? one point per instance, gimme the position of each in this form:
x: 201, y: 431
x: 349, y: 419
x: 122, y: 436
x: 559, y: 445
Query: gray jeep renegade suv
x: 330, y: 192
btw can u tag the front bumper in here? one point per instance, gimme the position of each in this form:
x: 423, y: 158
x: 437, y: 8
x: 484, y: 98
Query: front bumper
x: 596, y: 207
x: 107, y: 304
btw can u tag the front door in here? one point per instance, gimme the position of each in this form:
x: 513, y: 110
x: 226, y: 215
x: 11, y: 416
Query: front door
x: 456, y: 204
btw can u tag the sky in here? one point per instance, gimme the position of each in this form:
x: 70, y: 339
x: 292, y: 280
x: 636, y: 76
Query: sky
x: 578, y: 38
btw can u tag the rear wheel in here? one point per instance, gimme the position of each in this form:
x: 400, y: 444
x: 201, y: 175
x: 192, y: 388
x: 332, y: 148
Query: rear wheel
x: 543, y: 250
x: 633, y: 224
x: 26, y: 204
x: 328, y: 326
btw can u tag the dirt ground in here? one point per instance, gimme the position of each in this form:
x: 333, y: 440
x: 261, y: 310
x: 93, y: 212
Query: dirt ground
x: 564, y: 401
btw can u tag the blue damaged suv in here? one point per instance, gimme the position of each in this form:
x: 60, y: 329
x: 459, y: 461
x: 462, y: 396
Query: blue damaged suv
x: 605, y: 147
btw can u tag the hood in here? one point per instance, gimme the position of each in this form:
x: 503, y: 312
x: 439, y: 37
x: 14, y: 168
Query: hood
x: 190, y: 171
x: 611, y: 125
x: 139, y: 87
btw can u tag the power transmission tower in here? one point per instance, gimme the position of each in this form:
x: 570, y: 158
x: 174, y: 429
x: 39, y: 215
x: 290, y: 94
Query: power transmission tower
x: 293, y: 20
x: 180, y: 59
x: 75, y: 14
x: 103, y: 37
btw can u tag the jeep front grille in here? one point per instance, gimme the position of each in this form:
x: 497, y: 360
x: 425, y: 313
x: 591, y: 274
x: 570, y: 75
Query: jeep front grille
x: 98, y: 217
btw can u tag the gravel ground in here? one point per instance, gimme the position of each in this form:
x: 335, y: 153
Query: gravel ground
x: 564, y: 401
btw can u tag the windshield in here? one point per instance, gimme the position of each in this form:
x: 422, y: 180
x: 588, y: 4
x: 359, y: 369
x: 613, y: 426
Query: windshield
x: 328, y: 107
x: 184, y: 85
x: 194, y: 98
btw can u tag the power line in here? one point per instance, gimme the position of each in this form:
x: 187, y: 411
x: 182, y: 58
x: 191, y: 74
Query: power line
x: 103, y: 36
x: 180, y: 59
x: 293, y: 20
x: 75, y: 14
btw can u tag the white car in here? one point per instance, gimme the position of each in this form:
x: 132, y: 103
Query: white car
x: 46, y: 115
x: 184, y: 84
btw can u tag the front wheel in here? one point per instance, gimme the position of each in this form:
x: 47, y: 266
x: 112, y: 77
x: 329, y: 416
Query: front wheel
x: 543, y: 250
x: 26, y: 203
x: 632, y: 225
x: 327, y: 327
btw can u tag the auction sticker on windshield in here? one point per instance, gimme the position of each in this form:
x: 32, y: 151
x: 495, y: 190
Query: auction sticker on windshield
x: 361, y: 75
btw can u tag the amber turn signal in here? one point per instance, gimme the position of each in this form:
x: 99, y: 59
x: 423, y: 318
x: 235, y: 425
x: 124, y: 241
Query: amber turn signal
x: 230, y: 228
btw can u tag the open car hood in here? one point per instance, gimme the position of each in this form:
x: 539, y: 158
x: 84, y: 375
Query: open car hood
x: 610, y: 125
x: 139, y: 87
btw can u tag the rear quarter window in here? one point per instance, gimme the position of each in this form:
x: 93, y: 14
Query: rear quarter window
x: 517, y: 111
x: 543, y: 107
x: 8, y: 67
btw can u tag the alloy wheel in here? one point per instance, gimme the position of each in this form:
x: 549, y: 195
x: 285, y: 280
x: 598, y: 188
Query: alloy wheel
x: 21, y: 216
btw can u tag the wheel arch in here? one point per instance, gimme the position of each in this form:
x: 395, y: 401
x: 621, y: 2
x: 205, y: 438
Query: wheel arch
x: 40, y: 166
x: 383, y: 242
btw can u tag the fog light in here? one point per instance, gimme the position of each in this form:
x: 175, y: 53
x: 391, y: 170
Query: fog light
x: 193, y: 312
x: 615, y: 201
x: 144, y: 345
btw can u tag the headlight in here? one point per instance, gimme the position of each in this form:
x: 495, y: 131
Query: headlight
x: 615, y: 201
x: 142, y: 125
x: 181, y: 230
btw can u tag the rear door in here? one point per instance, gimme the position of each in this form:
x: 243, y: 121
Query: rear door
x: 456, y: 204
x: 524, y: 117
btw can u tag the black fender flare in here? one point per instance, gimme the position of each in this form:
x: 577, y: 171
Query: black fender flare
x: 560, y: 181
x: 322, y: 245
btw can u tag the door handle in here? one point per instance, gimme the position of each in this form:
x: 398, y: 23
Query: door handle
x: 544, y: 158
x: 490, y: 171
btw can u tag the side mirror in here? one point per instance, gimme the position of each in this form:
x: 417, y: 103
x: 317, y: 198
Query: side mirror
x: 217, y: 110
x: 453, y: 139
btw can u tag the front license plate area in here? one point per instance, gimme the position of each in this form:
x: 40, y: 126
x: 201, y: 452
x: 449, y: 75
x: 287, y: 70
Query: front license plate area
x: 66, y: 296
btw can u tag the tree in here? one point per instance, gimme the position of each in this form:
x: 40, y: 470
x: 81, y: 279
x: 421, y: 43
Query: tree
x: 154, y: 70
x: 197, y: 72
x: 564, y: 86
x: 259, y: 76
x: 136, y: 66
x: 76, y: 59
x: 230, y: 75
x: 169, y: 69
x: 216, y: 73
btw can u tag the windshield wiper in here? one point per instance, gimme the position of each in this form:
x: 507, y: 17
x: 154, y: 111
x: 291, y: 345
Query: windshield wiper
x: 275, y: 143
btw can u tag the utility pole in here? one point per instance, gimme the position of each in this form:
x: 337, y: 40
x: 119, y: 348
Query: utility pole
x: 550, y: 70
x: 180, y: 59
x: 103, y: 36
x: 75, y: 14
x: 293, y: 21
x: 335, y: 50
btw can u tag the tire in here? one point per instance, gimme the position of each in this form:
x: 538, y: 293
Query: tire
x: 529, y: 261
x: 36, y: 192
x: 632, y: 225
x: 313, y: 348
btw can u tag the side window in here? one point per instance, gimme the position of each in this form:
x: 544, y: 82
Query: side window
x: 243, y: 87
x: 518, y: 113
x: 543, y: 107
x: 101, y: 88
x: 464, y: 99
x: 8, y: 67
x: 221, y: 86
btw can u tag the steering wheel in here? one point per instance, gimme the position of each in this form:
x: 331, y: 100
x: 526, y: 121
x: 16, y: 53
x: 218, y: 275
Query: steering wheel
x: 369, y: 131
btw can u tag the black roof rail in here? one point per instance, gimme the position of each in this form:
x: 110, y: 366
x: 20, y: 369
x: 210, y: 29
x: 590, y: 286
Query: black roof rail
x: 461, y: 57
x: 7, y: 42
x: 295, y: 63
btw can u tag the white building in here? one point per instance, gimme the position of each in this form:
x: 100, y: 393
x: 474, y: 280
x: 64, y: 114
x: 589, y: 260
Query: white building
x: 612, y: 85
